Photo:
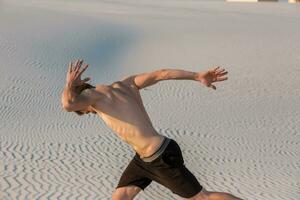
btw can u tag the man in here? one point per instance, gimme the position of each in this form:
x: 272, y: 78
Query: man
x: 120, y: 105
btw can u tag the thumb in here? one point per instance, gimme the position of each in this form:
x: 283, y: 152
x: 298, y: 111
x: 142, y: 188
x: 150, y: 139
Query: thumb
x: 213, y: 87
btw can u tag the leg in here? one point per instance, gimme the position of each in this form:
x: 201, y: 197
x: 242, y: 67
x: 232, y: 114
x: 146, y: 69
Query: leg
x: 205, y: 195
x: 169, y: 170
x: 126, y: 193
x: 131, y: 182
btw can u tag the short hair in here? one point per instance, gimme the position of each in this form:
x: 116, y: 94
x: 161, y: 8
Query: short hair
x: 79, y: 89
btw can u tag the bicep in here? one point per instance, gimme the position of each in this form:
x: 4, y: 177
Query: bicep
x: 147, y: 79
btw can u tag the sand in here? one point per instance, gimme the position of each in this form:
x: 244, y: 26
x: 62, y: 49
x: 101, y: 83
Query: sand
x: 243, y: 138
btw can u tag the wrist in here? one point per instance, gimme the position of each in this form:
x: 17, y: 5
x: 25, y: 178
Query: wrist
x: 195, y: 76
x: 198, y: 76
x: 69, y: 92
x: 70, y: 86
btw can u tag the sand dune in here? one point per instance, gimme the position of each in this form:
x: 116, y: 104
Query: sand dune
x: 243, y: 138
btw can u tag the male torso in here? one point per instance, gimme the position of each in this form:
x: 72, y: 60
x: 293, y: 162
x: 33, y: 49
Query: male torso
x: 121, y: 107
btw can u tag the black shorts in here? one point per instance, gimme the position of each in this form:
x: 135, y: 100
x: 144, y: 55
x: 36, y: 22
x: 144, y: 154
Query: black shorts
x: 167, y: 169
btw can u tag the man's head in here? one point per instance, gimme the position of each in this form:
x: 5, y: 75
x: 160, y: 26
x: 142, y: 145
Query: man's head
x: 78, y: 90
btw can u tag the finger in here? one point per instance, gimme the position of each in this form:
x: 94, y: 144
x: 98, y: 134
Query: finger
x: 78, y: 64
x: 70, y: 67
x: 221, y: 79
x: 220, y: 70
x: 222, y: 73
x: 83, y: 69
x: 213, y: 87
x: 216, y: 68
x: 75, y: 64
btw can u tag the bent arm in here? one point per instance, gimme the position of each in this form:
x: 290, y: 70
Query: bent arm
x: 72, y: 101
x: 74, y: 97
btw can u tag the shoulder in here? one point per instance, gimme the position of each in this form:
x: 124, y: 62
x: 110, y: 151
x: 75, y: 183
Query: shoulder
x: 100, y: 87
x: 127, y: 78
x: 93, y: 93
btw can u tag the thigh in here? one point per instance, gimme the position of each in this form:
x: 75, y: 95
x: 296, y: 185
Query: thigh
x: 134, y: 175
x: 180, y: 181
x: 173, y: 174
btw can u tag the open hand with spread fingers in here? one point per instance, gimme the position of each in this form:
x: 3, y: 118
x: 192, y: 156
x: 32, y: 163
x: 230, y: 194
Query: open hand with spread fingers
x: 74, y: 74
x: 213, y: 75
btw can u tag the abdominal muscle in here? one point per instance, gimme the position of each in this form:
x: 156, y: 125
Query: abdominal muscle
x: 146, y: 146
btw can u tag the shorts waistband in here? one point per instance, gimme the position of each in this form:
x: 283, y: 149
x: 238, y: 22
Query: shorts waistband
x: 157, y: 153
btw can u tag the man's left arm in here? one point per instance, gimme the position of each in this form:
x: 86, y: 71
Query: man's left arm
x: 206, y: 77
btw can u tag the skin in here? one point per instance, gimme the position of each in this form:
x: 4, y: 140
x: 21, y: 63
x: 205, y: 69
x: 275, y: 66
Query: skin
x: 120, y: 106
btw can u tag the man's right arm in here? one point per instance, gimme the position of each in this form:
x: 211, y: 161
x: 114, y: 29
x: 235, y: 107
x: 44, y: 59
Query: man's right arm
x: 73, y: 101
x: 72, y: 98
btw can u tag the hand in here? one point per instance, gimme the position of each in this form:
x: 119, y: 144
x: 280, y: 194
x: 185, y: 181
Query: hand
x: 74, y: 74
x: 213, y: 75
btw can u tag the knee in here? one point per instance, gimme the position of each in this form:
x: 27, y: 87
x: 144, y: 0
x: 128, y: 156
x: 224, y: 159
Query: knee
x: 121, y: 194
x: 222, y: 195
x: 202, y: 195
x: 124, y: 194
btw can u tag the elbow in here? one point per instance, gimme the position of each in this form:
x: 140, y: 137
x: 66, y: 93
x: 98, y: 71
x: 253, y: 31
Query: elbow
x: 162, y: 74
x: 67, y: 106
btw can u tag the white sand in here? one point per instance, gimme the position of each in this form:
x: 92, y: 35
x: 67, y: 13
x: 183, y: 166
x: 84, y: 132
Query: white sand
x: 243, y: 138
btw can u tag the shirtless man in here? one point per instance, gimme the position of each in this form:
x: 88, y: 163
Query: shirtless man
x: 120, y: 105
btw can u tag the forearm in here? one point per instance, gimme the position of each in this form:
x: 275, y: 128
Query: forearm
x: 205, y: 77
x: 167, y: 74
x: 150, y: 78
x: 68, y: 96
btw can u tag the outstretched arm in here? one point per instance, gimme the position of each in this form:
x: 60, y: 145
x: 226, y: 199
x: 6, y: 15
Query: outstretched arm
x: 206, y: 77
